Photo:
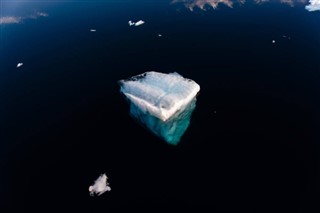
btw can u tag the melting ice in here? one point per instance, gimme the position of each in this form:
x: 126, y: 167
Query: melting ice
x: 162, y: 102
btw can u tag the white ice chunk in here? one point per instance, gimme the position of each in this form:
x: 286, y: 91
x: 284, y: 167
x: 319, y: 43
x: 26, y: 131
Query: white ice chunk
x: 138, y: 23
x: 313, y: 5
x: 273, y: 41
x: 131, y: 23
x: 19, y: 65
x: 100, y: 186
x: 93, y: 30
x: 159, y: 94
x: 159, y: 35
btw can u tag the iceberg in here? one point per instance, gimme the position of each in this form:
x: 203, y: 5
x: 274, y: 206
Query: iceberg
x: 163, y: 103
x: 19, y: 65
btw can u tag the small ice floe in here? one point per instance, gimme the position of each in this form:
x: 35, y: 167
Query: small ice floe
x: 159, y: 35
x: 100, y: 186
x: 273, y: 41
x: 19, y: 65
x: 93, y: 30
x: 314, y: 5
x: 138, y: 23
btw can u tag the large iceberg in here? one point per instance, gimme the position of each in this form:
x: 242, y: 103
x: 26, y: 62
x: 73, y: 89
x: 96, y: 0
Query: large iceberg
x: 161, y: 102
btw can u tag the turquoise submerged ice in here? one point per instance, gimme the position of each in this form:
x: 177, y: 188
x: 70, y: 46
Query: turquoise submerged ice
x: 162, y: 102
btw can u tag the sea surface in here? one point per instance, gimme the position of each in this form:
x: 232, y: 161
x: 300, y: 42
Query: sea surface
x: 253, y: 141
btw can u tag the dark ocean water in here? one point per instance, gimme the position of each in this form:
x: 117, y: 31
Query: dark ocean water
x: 63, y: 121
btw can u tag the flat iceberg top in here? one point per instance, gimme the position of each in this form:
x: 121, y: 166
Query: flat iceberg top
x: 159, y: 94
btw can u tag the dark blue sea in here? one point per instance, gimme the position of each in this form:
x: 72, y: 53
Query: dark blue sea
x: 254, y: 139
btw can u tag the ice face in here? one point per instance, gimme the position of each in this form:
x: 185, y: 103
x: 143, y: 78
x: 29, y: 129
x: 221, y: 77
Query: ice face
x: 162, y: 102
x: 170, y: 130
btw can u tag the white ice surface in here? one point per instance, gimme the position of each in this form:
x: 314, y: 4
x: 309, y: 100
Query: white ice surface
x: 100, y: 186
x: 159, y: 94
x: 19, y: 65
x: 131, y: 23
x: 138, y: 23
x: 313, y: 5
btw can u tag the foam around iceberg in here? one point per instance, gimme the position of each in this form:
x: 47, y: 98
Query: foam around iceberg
x: 162, y: 102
